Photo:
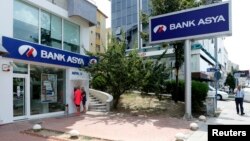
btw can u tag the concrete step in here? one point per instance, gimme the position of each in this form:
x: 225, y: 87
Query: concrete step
x: 97, y: 105
x: 94, y: 98
x: 104, y: 108
x: 95, y: 102
x: 91, y: 96
x: 98, y: 110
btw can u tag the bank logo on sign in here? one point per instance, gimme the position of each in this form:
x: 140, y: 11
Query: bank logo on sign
x: 160, y: 29
x: 92, y: 61
x: 27, y: 50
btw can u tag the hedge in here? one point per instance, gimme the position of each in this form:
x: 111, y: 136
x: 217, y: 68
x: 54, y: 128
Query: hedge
x: 199, y: 93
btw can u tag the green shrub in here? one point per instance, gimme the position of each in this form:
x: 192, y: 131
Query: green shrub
x: 170, y: 88
x: 99, y: 83
x: 199, y: 93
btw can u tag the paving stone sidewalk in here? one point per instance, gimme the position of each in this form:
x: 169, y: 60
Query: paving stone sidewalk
x: 228, y: 116
x: 108, y: 126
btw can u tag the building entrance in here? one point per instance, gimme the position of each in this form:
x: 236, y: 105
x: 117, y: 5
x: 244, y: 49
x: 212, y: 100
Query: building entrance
x: 19, y: 97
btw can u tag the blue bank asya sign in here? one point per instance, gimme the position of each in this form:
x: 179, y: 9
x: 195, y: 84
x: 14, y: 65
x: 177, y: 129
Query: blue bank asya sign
x: 34, y: 52
x: 201, y: 22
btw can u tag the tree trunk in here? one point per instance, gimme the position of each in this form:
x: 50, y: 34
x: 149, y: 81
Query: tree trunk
x: 177, y: 85
x: 116, y: 100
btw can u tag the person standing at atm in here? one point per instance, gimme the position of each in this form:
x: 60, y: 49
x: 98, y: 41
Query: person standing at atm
x: 84, y: 99
x: 77, y: 99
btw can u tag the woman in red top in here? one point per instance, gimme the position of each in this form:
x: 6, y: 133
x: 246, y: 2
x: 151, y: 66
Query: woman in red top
x: 77, y: 99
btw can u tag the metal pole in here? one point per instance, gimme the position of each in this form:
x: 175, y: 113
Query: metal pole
x: 139, y: 27
x: 217, y: 69
x: 187, y: 55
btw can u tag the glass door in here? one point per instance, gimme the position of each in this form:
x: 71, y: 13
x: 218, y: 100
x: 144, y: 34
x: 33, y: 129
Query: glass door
x: 19, y: 94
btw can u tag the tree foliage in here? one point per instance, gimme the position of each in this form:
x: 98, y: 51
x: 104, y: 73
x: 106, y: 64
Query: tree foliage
x: 166, y: 6
x: 230, y: 81
x: 116, y: 70
x: 155, y: 74
x: 199, y: 93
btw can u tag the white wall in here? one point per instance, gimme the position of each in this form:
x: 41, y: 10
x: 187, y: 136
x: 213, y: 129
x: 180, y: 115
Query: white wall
x: 85, y: 38
x: 71, y: 83
x: 69, y: 92
x: 6, y: 16
x: 61, y: 3
x: 195, y: 62
x: 51, y: 8
x: 222, y: 53
x: 6, y: 29
x: 6, y: 96
x: 208, y: 45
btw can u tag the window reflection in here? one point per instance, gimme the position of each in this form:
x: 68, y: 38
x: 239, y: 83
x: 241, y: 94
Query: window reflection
x: 71, y: 37
x: 20, y: 68
x: 51, y: 30
x: 25, y: 25
x: 37, y: 101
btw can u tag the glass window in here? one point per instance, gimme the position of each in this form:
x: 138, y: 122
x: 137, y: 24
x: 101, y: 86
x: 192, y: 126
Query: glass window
x: 114, y: 16
x: 20, y: 68
x: 19, y: 95
x: 98, y: 24
x: 134, y: 2
x: 47, y: 89
x: 129, y: 3
x: 123, y: 4
x: 145, y: 5
x: 134, y: 18
x: 51, y: 30
x: 113, y: 7
x: 134, y: 10
x: 119, y: 22
x: 124, y: 22
x: 114, y: 23
x: 129, y: 19
x: 98, y: 48
x: 118, y: 6
x: 119, y: 14
x: 124, y: 12
x: 98, y: 36
x: 25, y: 25
x: 71, y: 37
x: 129, y: 11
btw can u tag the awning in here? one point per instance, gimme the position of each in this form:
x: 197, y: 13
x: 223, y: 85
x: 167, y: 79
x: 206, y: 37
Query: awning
x: 200, y: 76
x: 3, y: 51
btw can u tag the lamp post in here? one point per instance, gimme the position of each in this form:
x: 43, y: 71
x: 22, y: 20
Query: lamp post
x: 216, y: 56
x: 217, y: 70
x: 139, y: 24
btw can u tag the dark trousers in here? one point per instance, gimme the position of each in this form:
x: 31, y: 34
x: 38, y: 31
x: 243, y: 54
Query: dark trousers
x: 239, y: 102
